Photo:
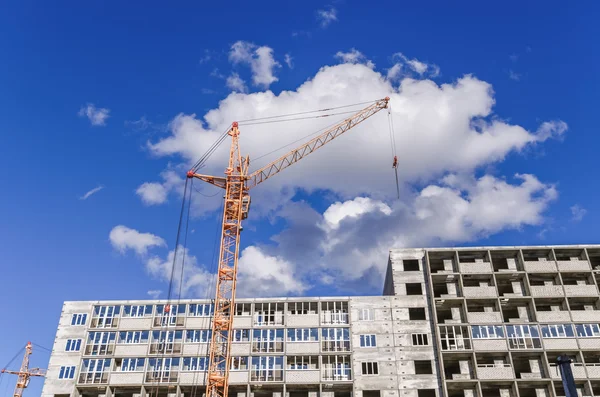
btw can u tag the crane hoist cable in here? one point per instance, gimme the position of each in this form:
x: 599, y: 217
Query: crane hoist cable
x: 393, y: 146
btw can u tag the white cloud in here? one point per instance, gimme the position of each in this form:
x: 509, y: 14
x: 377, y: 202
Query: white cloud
x: 263, y: 275
x: 288, y: 61
x: 439, y: 129
x: 235, y: 83
x: 354, y: 56
x: 154, y: 293
x: 206, y: 57
x: 124, y: 238
x: 260, y: 59
x: 97, y: 116
x: 91, y: 192
x: 514, y: 75
x: 326, y: 17
x: 141, y: 124
x: 577, y: 212
x: 407, y: 66
x: 352, y: 209
x: 154, y: 193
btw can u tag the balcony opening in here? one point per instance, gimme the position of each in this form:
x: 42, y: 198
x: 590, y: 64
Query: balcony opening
x: 552, y: 308
x: 506, y: 261
x: 268, y: 313
x: 458, y: 366
x: 516, y: 310
x: 262, y: 390
x: 472, y: 257
x: 442, y: 262
x: 533, y: 390
x: 592, y: 363
x: 477, y: 281
x: 416, y: 313
x: 577, y: 279
x: 595, y: 388
x: 543, y: 280
x: 529, y: 366
x: 569, y: 254
x: 581, y: 387
x: 511, y: 285
x: 243, y: 309
x: 302, y: 363
x: 450, y: 312
x: 411, y: 265
x: 493, y: 366
x: 534, y: 255
x: 489, y: 391
x: 445, y: 286
x: 414, y: 289
x: 594, y: 256
x: 423, y: 367
x: 583, y: 304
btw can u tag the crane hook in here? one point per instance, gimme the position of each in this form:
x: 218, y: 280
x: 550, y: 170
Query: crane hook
x: 395, y: 164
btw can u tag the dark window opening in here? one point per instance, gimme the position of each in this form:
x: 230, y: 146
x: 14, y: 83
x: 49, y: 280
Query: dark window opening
x: 426, y: 393
x: 416, y: 313
x: 411, y: 265
x: 423, y: 367
x: 414, y: 289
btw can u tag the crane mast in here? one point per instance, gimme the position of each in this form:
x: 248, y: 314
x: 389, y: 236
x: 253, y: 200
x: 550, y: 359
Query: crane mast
x: 237, y: 183
x: 25, y: 373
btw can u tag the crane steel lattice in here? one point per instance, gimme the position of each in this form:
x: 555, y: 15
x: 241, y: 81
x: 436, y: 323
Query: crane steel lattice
x: 25, y: 372
x: 237, y: 182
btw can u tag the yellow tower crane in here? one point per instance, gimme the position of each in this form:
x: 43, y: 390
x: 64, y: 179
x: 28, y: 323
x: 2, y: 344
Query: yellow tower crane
x: 25, y: 373
x: 237, y: 183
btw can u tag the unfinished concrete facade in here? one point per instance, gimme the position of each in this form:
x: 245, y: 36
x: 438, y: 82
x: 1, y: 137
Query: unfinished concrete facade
x: 469, y: 322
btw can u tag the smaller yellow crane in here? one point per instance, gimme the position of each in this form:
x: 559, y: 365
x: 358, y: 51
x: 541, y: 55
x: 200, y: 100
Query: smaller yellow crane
x: 25, y: 372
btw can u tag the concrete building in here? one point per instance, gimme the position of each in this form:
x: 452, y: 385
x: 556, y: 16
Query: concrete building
x: 467, y: 322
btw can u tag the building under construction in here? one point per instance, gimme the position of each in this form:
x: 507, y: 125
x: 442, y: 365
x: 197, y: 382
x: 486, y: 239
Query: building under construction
x: 466, y: 322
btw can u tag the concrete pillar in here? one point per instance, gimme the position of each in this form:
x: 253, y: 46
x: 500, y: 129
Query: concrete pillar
x: 517, y: 287
x: 541, y: 392
x: 455, y: 311
x: 534, y: 364
x: 451, y: 288
x: 522, y: 310
x: 108, y: 392
x: 512, y: 264
x: 465, y: 366
x: 448, y: 265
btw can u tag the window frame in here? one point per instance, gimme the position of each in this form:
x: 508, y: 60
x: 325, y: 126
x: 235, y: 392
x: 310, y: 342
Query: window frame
x: 73, y: 345
x: 79, y: 319
x: 369, y: 366
x: 66, y: 372
x: 367, y: 341
x: 366, y: 314
x: 420, y: 337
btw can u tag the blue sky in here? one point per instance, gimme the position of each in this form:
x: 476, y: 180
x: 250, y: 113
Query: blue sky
x: 145, y: 67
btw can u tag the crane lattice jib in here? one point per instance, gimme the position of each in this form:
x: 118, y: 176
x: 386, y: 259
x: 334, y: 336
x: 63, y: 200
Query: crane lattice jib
x: 237, y: 183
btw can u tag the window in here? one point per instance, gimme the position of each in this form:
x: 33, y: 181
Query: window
x: 137, y: 310
x: 487, y: 332
x: 370, y: 368
x: 200, y: 310
x: 454, y: 337
x: 298, y: 308
x: 335, y: 339
x: 416, y: 313
x: 423, y: 367
x: 267, y: 368
x: 426, y: 393
x: 587, y: 330
x: 131, y: 337
x: 268, y: 314
x: 336, y: 368
x: 195, y: 363
x: 132, y: 364
x: 523, y: 337
x: 241, y: 335
x: 419, y: 340
x: 167, y: 315
x: 73, y: 345
x: 267, y: 340
x: 94, y: 371
x: 366, y: 315
x: 239, y: 363
x: 302, y: 335
x: 79, y: 319
x: 411, y: 265
x: 242, y: 309
x: 413, y: 289
x: 66, y: 372
x: 302, y: 362
x: 368, y: 341
x: 100, y: 343
x: 104, y: 316
x: 162, y: 369
x: 557, y: 331
x: 334, y: 312
x: 198, y: 336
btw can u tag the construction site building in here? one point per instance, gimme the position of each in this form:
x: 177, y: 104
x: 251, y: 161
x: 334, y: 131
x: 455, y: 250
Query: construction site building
x: 451, y: 322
